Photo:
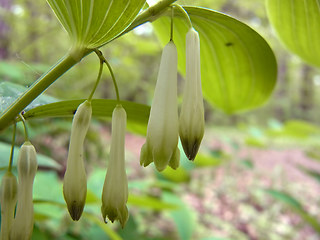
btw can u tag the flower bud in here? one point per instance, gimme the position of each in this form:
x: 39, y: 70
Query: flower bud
x: 8, y: 200
x: 27, y: 166
x: 191, y: 122
x: 161, y: 145
x: 115, y: 188
x: 75, y: 179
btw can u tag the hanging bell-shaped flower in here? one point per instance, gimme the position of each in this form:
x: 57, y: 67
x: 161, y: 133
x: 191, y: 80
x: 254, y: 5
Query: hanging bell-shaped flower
x: 191, y: 122
x: 162, y: 132
x: 75, y: 179
x: 8, y: 200
x: 27, y: 165
x: 115, y: 188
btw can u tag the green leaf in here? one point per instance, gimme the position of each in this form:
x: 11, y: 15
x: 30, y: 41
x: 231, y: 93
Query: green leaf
x: 11, y: 91
x: 216, y: 238
x: 248, y: 163
x: 296, y: 129
x: 238, y: 67
x: 150, y: 202
x: 183, y: 217
x: 104, y: 227
x: 136, y: 112
x: 92, y: 23
x: 296, y: 23
x: 296, y: 206
x: 285, y: 198
x: 205, y: 160
x: 312, y: 173
x: 178, y: 176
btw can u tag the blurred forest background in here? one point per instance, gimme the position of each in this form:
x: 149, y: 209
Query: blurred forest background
x: 257, y: 175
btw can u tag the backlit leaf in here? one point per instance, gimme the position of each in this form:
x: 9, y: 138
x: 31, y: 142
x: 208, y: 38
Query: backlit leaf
x: 92, y: 23
x: 238, y: 67
x: 296, y: 23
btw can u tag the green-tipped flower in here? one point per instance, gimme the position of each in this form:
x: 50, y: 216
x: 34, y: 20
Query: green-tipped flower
x: 27, y: 165
x: 8, y: 200
x: 191, y: 122
x: 115, y: 188
x: 75, y: 179
x: 162, y: 133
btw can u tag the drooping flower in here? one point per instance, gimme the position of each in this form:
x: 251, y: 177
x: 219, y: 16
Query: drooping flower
x: 191, y: 121
x: 8, y: 200
x: 115, y: 188
x: 75, y: 179
x: 162, y: 132
x: 27, y: 165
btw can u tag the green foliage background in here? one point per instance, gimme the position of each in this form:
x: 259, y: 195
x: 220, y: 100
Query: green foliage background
x: 32, y: 41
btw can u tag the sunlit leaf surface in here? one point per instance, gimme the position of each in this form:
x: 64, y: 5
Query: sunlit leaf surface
x: 296, y: 23
x: 238, y: 67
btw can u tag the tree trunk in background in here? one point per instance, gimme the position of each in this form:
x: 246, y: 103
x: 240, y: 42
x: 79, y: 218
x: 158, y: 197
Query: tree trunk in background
x: 306, y: 93
x: 5, y: 6
x: 282, y: 109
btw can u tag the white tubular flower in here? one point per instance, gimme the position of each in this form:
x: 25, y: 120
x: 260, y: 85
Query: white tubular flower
x: 162, y: 132
x: 115, y: 188
x: 27, y: 165
x: 8, y: 200
x: 75, y: 179
x: 191, y: 122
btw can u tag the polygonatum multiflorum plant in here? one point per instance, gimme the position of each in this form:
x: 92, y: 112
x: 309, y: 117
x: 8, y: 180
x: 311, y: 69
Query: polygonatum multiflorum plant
x: 221, y: 59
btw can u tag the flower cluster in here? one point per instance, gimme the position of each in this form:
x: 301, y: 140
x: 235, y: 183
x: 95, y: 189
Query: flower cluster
x: 19, y: 196
x: 161, y: 147
x: 164, y: 126
x: 115, y: 189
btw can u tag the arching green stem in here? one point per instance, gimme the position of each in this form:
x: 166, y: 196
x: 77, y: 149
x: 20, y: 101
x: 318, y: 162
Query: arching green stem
x: 26, y: 136
x: 98, y: 78
x: 12, y: 147
x: 171, y: 26
x: 103, y: 59
x: 185, y: 14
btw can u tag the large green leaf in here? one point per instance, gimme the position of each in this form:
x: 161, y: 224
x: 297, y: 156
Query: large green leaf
x: 238, y: 67
x: 11, y: 91
x: 136, y: 112
x: 92, y: 23
x: 297, y: 25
